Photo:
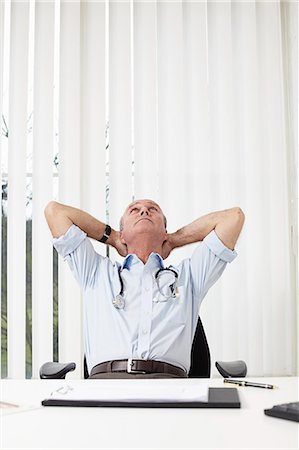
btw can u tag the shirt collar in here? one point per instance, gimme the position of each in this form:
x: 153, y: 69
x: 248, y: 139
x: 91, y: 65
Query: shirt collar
x: 154, y: 261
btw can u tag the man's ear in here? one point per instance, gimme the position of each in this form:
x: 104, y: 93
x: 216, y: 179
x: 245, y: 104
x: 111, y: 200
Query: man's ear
x: 165, y: 236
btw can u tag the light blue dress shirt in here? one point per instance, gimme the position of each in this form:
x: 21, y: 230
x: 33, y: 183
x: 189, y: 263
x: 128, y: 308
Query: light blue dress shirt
x: 149, y: 326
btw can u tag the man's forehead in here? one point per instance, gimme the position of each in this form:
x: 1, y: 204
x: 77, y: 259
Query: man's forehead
x: 146, y: 202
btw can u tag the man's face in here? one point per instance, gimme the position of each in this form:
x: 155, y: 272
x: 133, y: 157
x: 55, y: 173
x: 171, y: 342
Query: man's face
x: 143, y: 217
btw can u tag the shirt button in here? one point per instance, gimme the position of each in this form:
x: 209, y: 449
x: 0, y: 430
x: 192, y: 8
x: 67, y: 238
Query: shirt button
x: 143, y: 355
x: 147, y: 288
x: 144, y: 331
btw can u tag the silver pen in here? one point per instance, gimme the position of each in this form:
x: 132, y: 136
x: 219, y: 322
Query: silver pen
x: 249, y: 383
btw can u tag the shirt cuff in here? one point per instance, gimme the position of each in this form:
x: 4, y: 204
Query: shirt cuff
x: 68, y: 242
x: 217, y: 247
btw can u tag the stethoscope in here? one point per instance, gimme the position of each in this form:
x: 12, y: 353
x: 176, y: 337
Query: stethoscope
x: 119, y: 301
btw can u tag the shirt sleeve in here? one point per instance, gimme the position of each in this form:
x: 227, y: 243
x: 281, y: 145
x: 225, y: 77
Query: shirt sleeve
x: 75, y: 247
x: 208, y: 263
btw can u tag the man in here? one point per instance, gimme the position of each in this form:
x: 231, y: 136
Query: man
x: 140, y: 317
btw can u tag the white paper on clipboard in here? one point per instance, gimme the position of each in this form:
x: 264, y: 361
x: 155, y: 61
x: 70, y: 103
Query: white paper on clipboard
x: 131, y: 391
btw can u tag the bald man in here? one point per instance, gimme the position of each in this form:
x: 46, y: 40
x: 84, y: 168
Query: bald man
x: 140, y: 316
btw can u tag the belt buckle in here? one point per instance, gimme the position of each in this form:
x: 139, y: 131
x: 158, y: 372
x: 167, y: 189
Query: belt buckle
x: 130, y: 367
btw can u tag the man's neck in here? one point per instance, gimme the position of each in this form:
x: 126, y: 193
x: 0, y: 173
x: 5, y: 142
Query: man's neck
x: 143, y: 249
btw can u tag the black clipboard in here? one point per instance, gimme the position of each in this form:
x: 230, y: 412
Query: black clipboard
x: 218, y: 398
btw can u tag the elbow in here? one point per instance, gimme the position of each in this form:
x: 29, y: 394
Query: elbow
x: 51, y: 209
x: 239, y: 215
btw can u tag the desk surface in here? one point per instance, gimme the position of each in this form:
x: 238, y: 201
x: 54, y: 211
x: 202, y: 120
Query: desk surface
x: 131, y: 428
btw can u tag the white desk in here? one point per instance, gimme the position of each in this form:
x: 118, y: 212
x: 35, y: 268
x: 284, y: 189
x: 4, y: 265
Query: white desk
x: 131, y: 428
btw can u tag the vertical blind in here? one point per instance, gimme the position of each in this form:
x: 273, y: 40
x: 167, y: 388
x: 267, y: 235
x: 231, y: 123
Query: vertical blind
x: 189, y: 103
x: 17, y: 151
x: 1, y: 110
x: 42, y: 184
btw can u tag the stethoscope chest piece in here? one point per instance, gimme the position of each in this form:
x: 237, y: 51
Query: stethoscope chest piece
x: 119, y: 302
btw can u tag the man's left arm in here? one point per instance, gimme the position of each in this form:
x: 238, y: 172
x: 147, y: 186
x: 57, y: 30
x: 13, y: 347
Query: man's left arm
x: 227, y: 225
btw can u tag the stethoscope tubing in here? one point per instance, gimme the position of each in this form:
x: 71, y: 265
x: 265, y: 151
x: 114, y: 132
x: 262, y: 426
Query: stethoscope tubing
x: 119, y: 301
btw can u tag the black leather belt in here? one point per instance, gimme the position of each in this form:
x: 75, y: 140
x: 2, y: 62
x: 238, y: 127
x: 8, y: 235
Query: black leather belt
x: 138, y: 366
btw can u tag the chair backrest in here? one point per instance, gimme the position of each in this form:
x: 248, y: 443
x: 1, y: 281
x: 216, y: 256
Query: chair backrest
x: 86, y: 374
x: 200, y: 354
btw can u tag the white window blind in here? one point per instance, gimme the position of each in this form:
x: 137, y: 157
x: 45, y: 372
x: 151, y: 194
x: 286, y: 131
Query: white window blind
x: 1, y: 113
x: 145, y: 77
x: 16, y: 220
x: 120, y: 108
x: 42, y: 185
x: 188, y: 103
x: 70, y: 335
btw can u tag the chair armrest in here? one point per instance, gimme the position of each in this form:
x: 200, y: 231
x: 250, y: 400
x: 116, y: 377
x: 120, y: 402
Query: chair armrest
x: 51, y: 370
x: 231, y: 368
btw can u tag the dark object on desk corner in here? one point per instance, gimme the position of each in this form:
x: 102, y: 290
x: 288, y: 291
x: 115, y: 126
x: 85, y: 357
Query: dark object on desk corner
x: 230, y: 369
x: 288, y: 411
x: 55, y: 370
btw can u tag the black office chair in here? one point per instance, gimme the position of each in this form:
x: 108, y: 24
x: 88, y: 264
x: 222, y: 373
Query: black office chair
x: 200, y: 362
x: 201, y: 359
x: 200, y: 354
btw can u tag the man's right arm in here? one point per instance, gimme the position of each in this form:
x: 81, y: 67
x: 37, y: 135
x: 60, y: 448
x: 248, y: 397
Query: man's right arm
x: 60, y: 218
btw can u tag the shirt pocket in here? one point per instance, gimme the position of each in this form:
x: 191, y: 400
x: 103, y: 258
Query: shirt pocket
x: 173, y: 310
